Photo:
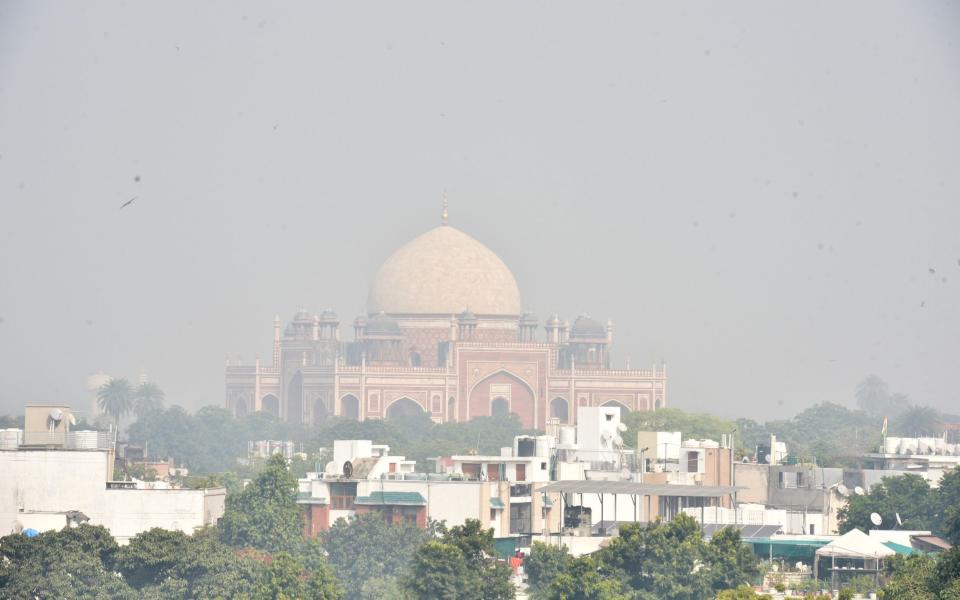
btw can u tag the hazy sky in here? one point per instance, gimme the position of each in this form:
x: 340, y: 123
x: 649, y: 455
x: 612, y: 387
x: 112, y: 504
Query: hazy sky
x: 754, y: 192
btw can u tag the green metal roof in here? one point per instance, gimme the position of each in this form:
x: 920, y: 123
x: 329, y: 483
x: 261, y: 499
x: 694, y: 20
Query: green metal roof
x: 306, y: 498
x: 392, y: 498
x: 789, y: 549
x: 496, y: 503
x: 899, y: 548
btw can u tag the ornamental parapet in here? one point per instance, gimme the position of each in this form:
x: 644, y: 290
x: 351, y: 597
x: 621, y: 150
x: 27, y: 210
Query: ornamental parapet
x: 645, y: 373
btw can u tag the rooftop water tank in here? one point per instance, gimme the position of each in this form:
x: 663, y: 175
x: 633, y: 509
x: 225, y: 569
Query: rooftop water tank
x: 85, y: 440
x: 10, y: 439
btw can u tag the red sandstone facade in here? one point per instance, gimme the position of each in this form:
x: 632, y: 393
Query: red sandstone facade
x: 421, y: 349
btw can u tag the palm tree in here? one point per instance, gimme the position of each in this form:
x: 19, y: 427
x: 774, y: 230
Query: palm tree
x: 918, y: 421
x: 149, y: 397
x: 115, y: 398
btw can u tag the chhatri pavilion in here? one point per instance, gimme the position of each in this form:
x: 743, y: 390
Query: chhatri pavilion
x: 444, y: 334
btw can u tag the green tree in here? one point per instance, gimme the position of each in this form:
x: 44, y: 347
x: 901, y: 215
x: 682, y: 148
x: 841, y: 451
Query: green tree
x: 544, y: 563
x: 913, y: 578
x: 116, y: 398
x: 440, y: 570
x: 660, y: 560
x: 152, y: 556
x: 265, y: 514
x: 461, y: 565
x: 70, y: 564
x: 908, y: 495
x: 583, y: 580
x: 918, y: 421
x: 948, y: 499
x: 366, y: 547
x: 731, y: 563
x: 743, y: 592
x: 147, y: 397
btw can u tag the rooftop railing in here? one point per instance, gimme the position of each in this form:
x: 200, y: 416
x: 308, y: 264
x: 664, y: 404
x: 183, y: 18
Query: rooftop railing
x: 72, y: 440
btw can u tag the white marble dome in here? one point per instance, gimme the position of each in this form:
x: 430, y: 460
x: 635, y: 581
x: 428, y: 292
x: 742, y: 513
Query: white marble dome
x: 444, y: 272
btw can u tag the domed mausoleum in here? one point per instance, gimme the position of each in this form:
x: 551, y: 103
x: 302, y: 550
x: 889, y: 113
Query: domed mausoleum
x: 445, y: 334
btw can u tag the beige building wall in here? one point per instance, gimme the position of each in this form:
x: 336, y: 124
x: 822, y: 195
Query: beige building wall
x: 755, y: 478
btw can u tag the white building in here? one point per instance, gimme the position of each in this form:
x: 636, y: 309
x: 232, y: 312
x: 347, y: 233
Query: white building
x: 56, y: 471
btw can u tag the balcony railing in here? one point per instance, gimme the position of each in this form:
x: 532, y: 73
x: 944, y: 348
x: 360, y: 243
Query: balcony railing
x: 73, y: 440
x: 520, y: 490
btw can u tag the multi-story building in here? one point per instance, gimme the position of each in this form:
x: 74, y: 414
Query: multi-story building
x: 53, y: 476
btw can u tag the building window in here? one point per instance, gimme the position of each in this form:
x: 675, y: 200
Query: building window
x: 692, y: 462
x: 415, y: 359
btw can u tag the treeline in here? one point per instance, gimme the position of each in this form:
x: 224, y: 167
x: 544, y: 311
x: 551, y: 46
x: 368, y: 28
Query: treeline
x: 908, y: 502
x: 211, y: 440
x: 830, y: 434
x: 664, y: 561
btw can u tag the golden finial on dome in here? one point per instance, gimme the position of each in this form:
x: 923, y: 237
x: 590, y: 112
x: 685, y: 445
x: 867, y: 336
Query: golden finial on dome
x: 444, y: 216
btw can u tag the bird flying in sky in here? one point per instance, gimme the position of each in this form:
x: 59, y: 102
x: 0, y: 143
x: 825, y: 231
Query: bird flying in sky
x: 128, y: 202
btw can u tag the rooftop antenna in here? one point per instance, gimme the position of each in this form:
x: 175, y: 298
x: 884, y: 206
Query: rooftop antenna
x: 876, y: 519
x: 445, y: 215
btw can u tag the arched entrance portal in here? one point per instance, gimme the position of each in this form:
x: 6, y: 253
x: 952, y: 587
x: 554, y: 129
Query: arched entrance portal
x: 559, y: 409
x: 404, y: 407
x: 240, y: 407
x: 502, y: 385
x: 295, y: 399
x: 270, y: 404
x: 319, y: 411
x: 623, y: 409
x: 499, y: 407
x: 350, y: 407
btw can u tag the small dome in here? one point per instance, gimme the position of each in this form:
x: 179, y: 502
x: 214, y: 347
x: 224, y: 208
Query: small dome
x: 554, y: 321
x: 303, y: 316
x: 382, y: 324
x: 529, y: 319
x: 468, y: 318
x: 360, y: 321
x: 587, y: 328
x: 329, y: 316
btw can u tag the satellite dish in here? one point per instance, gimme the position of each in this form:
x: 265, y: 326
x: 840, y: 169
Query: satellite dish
x: 348, y: 469
x: 330, y: 469
x: 842, y: 490
x: 56, y: 414
x: 625, y: 474
x: 876, y: 519
x: 618, y: 440
x: 621, y: 427
x: 72, y: 419
x: 858, y: 491
x: 899, y: 521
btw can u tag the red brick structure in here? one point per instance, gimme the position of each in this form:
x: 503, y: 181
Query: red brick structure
x: 446, y: 335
